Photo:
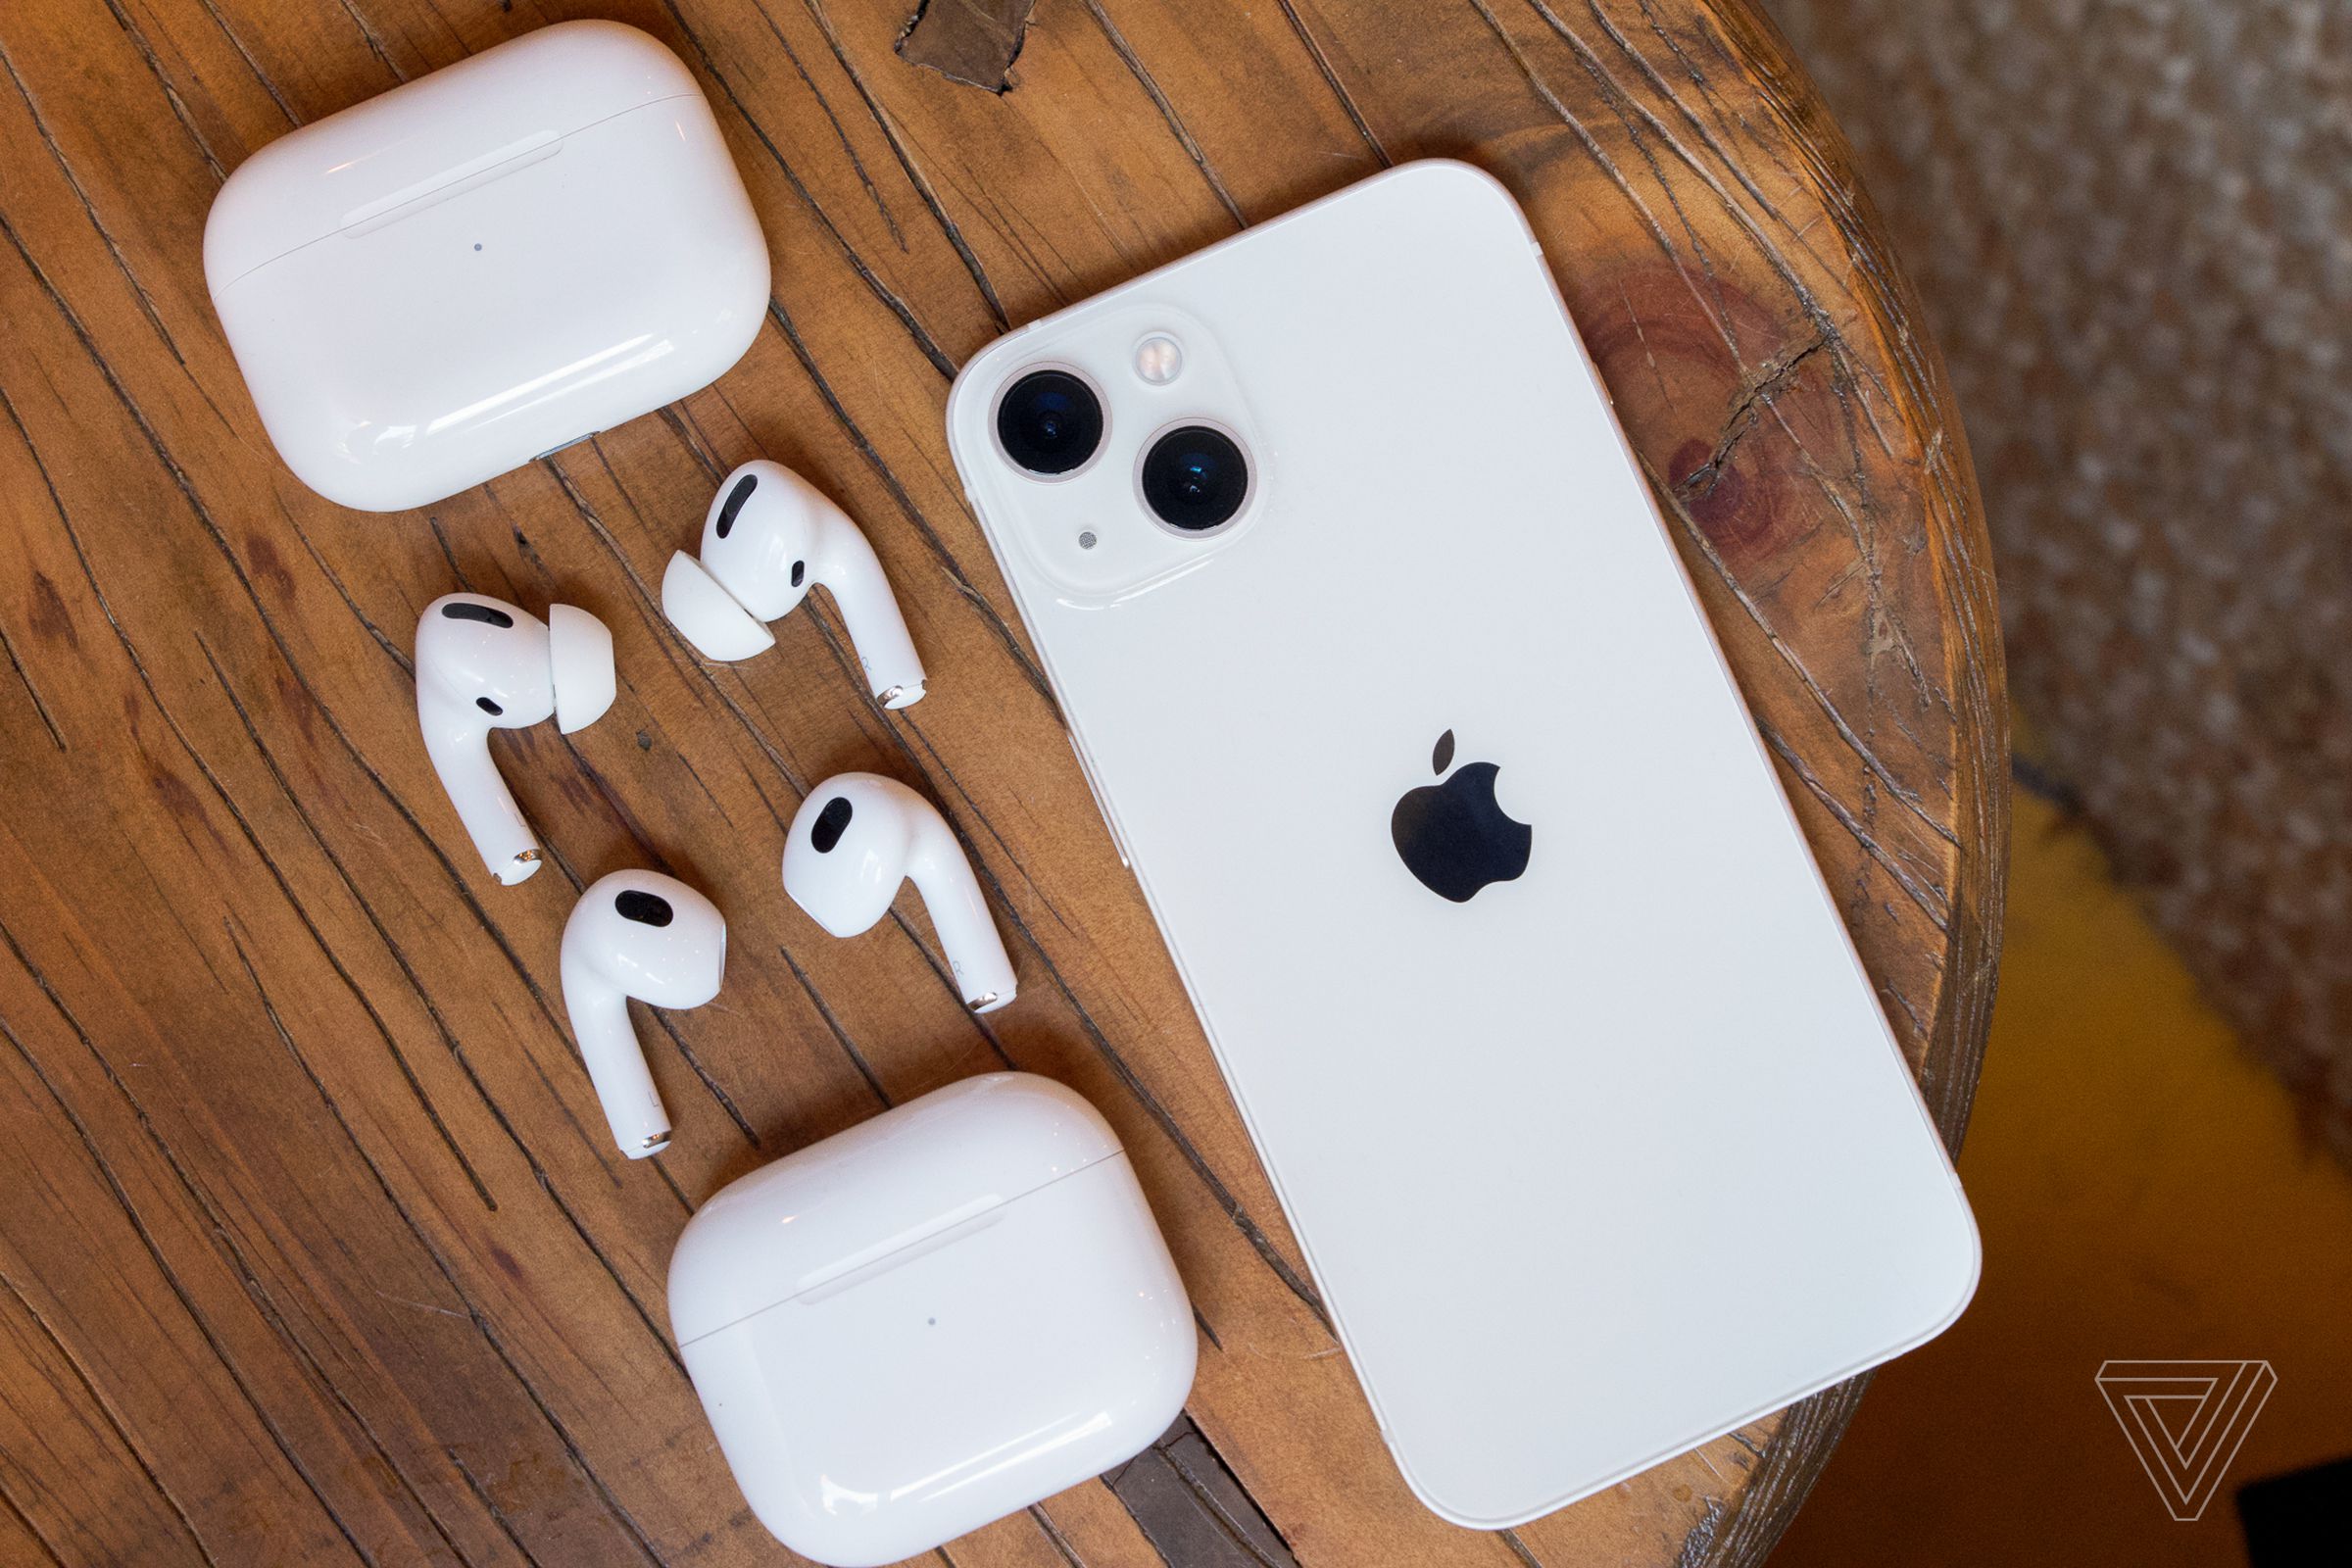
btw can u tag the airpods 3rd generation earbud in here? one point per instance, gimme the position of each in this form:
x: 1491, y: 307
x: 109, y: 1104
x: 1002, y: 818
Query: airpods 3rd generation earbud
x: 644, y: 935
x: 484, y: 664
x: 855, y: 838
x: 769, y: 537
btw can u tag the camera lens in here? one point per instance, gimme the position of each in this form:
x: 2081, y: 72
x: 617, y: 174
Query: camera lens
x: 1050, y: 421
x: 1196, y: 478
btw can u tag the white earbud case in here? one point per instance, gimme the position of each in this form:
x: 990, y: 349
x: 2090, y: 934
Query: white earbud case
x: 443, y: 282
x: 931, y: 1320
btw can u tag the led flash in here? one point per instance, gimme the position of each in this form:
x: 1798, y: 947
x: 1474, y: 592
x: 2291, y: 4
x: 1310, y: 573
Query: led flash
x: 1158, y: 359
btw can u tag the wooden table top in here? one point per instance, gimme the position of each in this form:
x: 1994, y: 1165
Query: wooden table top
x: 316, y: 1247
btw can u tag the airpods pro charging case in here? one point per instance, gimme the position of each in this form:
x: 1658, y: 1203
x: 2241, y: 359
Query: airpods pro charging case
x: 524, y: 248
x: 931, y: 1320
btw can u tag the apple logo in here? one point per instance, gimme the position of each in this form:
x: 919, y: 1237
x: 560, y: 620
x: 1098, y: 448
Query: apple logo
x: 1454, y: 834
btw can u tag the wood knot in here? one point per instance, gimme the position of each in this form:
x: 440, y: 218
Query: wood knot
x: 51, y: 621
x: 1737, y: 514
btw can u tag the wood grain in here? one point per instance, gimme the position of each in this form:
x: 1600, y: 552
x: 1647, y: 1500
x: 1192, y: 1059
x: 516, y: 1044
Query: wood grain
x: 317, y: 1248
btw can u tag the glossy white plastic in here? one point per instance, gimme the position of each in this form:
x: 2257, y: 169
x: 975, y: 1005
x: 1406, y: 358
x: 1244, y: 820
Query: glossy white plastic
x: 855, y: 838
x: 769, y: 537
x: 484, y: 664
x: 1529, y: 1142
x: 519, y: 250
x: 644, y: 935
x: 579, y: 657
x: 931, y: 1320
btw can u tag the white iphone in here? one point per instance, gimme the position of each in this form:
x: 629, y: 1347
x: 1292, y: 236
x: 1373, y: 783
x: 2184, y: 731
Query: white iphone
x: 1385, y: 670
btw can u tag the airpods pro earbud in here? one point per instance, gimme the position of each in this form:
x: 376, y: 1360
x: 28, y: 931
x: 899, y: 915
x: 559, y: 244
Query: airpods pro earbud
x: 768, y: 536
x: 484, y: 664
x: 855, y: 838
x: 644, y: 935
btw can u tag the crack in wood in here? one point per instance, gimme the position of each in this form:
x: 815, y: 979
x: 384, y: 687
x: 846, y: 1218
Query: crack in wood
x: 1167, y: 111
x: 154, y: 1249
x: 1053, y: 1536
x: 857, y: 264
x: 25, y: 678
x: 16, y: 1512
x: 1321, y: 59
x: 841, y: 134
x: 490, y: 1506
x: 98, y: 1400
x: 1746, y: 414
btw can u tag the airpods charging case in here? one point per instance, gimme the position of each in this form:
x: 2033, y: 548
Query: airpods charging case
x: 931, y: 1320
x: 488, y: 263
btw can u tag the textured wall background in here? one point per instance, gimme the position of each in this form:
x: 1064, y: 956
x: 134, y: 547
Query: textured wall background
x: 2132, y: 227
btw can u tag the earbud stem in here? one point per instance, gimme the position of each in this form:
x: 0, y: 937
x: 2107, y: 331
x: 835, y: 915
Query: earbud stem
x: 852, y: 575
x: 967, y: 932
x: 615, y: 1062
x: 460, y: 749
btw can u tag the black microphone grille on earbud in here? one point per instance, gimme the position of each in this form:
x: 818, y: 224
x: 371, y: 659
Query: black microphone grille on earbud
x: 735, y: 499
x: 646, y: 909
x: 831, y: 823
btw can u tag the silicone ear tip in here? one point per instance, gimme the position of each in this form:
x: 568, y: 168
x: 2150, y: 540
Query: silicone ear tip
x: 707, y: 615
x: 581, y: 651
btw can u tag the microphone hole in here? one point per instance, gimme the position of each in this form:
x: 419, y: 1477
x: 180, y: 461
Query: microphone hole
x: 735, y: 499
x: 646, y: 909
x: 831, y: 823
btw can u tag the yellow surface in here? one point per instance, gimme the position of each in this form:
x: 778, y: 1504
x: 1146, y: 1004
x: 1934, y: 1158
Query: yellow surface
x: 2143, y: 1193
